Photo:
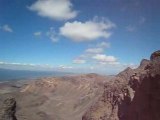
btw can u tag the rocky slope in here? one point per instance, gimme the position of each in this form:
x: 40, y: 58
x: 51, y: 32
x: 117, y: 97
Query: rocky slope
x: 7, y: 112
x: 133, y: 95
x: 56, y: 98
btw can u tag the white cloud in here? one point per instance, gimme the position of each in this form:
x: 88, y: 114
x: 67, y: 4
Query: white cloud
x: 94, y: 50
x: 87, y: 31
x: 52, y: 35
x: 104, y: 58
x: 37, y: 33
x: 6, y: 28
x: 79, y: 61
x: 96, y: 54
x: 54, y: 9
x: 97, y: 48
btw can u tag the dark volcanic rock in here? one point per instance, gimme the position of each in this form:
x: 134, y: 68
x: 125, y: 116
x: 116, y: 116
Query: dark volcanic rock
x: 133, y: 95
x: 7, y: 112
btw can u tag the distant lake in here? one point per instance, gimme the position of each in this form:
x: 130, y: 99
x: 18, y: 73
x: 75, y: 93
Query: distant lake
x: 7, y: 75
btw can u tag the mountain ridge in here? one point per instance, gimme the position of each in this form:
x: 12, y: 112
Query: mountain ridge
x: 133, y: 94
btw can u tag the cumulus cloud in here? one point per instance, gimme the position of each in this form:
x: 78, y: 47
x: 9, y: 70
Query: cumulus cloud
x: 37, y: 33
x: 96, y: 54
x: 6, y: 28
x: 94, y: 59
x: 87, y: 31
x: 79, y: 61
x: 54, y: 9
x: 104, y: 58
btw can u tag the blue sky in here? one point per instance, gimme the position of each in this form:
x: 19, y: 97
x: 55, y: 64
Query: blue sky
x: 102, y: 36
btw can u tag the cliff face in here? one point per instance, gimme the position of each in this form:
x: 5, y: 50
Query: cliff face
x: 7, y: 112
x: 133, y: 95
x: 146, y: 103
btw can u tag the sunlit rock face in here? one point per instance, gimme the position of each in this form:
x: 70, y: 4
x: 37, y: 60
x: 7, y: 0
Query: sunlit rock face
x: 133, y: 95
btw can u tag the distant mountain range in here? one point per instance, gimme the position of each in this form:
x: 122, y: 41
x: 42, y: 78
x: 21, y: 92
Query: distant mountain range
x: 133, y: 94
x: 8, y: 74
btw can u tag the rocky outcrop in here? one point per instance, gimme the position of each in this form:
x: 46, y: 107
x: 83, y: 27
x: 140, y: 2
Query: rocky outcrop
x: 143, y: 64
x: 7, y: 112
x: 114, y: 102
x: 155, y: 56
x: 125, y: 75
x: 146, y: 103
x: 133, y: 95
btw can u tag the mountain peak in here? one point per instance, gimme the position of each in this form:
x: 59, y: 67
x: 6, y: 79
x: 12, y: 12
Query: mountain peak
x: 155, y: 55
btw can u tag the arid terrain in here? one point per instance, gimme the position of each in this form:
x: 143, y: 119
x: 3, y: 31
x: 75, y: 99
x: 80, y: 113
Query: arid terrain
x: 63, y: 98
x: 133, y: 94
